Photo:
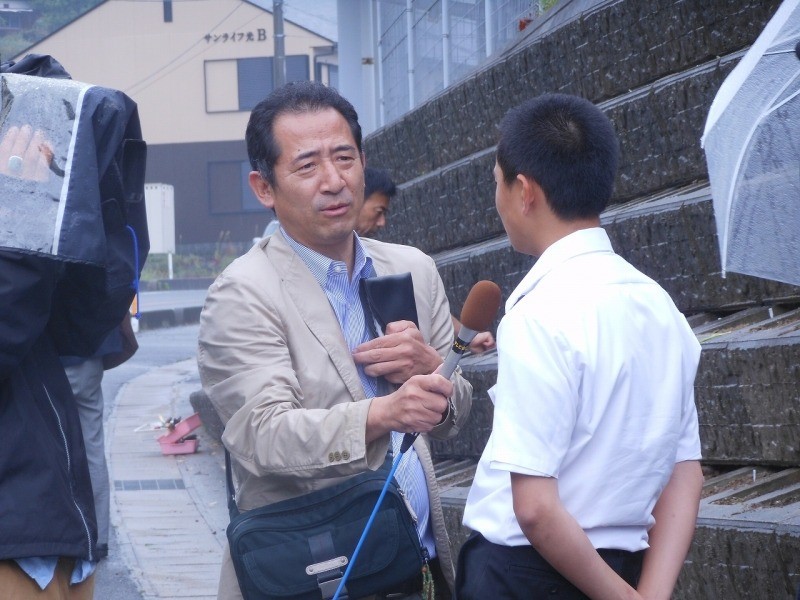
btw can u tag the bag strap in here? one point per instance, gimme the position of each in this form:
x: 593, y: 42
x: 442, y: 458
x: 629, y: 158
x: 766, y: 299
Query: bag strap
x: 233, y: 510
x: 341, y: 589
x: 383, y: 386
x: 327, y: 566
x: 366, y: 306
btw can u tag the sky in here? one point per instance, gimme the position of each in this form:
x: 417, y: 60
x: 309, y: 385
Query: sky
x: 317, y: 15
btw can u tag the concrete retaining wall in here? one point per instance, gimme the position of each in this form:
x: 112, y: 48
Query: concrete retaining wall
x: 654, y: 67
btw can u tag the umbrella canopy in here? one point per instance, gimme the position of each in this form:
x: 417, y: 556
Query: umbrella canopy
x: 752, y: 146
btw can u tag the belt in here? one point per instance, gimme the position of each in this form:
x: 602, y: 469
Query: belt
x: 626, y: 564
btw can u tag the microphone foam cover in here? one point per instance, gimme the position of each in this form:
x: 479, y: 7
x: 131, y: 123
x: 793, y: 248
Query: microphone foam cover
x: 481, y: 306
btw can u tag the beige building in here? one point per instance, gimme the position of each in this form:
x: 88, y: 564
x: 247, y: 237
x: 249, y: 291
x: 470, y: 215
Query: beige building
x: 195, y: 69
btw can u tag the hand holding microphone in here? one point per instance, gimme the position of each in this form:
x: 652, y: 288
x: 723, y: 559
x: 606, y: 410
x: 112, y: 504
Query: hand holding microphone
x: 480, y: 308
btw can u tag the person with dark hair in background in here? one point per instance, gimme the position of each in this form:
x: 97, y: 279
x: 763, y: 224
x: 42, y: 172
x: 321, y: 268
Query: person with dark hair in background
x: 589, y: 485
x: 378, y: 190
x: 285, y: 355
x: 85, y: 375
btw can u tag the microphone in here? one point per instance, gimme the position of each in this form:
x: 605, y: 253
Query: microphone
x: 480, y: 308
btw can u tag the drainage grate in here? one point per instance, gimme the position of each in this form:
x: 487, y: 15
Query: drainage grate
x: 130, y: 485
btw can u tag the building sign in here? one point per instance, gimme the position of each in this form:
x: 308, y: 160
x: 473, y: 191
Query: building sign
x: 260, y: 35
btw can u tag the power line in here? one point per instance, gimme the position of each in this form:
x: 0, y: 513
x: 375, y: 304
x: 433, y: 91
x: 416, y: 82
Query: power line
x: 131, y: 88
x: 188, y: 59
x: 143, y: 1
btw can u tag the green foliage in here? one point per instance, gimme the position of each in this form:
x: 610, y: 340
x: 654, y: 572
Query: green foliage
x: 183, y: 266
x: 51, y: 15
x: 204, y: 260
x: 11, y: 45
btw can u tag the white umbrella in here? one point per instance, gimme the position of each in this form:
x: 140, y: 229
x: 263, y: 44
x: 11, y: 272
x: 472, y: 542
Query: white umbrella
x: 752, y: 146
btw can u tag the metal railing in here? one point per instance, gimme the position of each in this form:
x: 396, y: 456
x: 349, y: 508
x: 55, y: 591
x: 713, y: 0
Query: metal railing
x: 425, y: 46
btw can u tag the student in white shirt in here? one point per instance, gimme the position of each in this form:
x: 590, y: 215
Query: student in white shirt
x: 590, y: 483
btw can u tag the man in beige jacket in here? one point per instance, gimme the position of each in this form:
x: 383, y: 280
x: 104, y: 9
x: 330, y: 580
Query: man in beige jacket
x: 307, y: 397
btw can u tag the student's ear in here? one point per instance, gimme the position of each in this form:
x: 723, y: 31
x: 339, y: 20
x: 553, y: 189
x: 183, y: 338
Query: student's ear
x: 261, y: 189
x: 531, y: 194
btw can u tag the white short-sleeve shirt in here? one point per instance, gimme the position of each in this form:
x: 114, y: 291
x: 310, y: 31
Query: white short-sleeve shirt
x: 595, y: 387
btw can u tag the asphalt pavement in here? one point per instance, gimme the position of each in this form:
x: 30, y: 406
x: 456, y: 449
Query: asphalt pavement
x: 168, y: 512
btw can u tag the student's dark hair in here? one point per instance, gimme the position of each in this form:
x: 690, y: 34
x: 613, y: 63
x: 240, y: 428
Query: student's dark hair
x: 568, y: 146
x: 378, y: 180
x: 297, y: 97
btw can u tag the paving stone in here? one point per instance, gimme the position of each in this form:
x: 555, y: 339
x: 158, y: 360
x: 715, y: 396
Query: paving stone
x: 172, y: 535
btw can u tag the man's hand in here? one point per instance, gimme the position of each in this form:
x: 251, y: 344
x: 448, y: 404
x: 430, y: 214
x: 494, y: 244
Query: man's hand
x: 25, y: 154
x: 417, y: 406
x: 482, y: 342
x: 398, y: 355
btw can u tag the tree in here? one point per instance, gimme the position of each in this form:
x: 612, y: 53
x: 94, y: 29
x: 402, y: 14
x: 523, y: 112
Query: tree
x: 51, y: 15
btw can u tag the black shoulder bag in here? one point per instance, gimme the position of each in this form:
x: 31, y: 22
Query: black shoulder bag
x: 298, y: 549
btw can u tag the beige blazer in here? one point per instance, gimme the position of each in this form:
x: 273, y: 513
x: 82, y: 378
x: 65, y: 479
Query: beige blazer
x: 275, y: 364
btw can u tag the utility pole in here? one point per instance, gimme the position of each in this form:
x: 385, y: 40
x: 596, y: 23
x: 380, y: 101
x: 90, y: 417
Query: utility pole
x: 279, y: 60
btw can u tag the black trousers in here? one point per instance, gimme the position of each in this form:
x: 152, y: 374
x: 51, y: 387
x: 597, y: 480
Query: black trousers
x: 487, y: 570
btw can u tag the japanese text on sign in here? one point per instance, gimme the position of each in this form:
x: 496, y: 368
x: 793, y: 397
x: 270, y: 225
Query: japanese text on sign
x: 260, y: 35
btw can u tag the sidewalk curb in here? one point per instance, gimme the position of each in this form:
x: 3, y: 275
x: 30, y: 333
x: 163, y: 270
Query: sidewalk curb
x: 171, y: 317
x: 184, y: 308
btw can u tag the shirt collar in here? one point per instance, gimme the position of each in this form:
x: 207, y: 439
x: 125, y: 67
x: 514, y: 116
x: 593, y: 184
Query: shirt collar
x: 322, y: 266
x: 583, y: 241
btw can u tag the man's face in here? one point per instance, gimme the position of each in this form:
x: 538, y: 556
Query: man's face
x: 373, y: 215
x: 319, y: 181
